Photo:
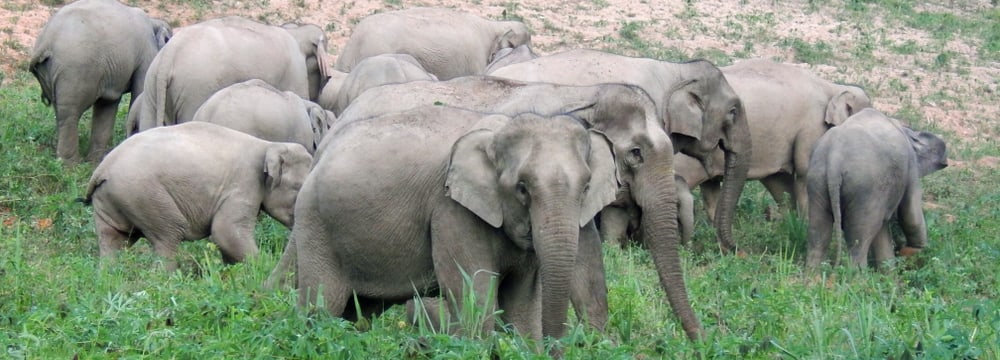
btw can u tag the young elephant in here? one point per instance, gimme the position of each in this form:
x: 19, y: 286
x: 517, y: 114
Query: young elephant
x: 259, y: 109
x: 378, y: 70
x: 863, y: 174
x: 435, y: 191
x: 446, y: 42
x: 190, y: 181
x: 90, y: 53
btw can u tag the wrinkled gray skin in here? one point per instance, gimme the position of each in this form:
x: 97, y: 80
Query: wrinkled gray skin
x: 508, y: 56
x: 257, y: 108
x: 788, y: 109
x: 211, y: 55
x: 378, y: 70
x: 699, y: 108
x: 624, y: 113
x: 90, y: 53
x: 447, y: 190
x: 863, y: 174
x: 446, y: 42
x: 191, y: 181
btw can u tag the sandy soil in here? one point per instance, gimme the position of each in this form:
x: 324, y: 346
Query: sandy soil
x: 959, y: 97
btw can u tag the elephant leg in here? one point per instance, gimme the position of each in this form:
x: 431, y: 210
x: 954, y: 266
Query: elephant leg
x: 465, y: 250
x: 710, y: 191
x: 102, y: 125
x: 614, y: 225
x: 279, y: 276
x: 110, y: 240
x: 166, y: 248
x: 589, y: 290
x: 520, y: 297
x: 232, y: 231
x: 778, y: 185
x: 685, y: 211
x: 431, y: 312
x: 911, y: 218
x: 68, y: 131
x: 820, y: 232
x: 882, y: 247
x: 318, y: 271
x: 860, y: 230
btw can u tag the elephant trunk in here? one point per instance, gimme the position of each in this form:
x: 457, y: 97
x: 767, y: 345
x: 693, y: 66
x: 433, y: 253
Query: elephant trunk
x: 738, y: 152
x: 656, y: 193
x: 556, y: 231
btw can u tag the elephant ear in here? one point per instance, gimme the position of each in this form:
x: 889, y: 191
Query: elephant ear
x: 472, y: 177
x: 930, y: 149
x: 274, y: 160
x: 685, y: 110
x: 840, y: 108
x: 320, y: 120
x: 503, y: 41
x: 604, y: 180
x: 162, y: 32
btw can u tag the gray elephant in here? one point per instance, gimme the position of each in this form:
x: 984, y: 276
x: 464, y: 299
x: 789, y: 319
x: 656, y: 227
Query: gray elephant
x: 378, y: 70
x: 191, y: 181
x: 334, y: 81
x: 508, y: 56
x: 624, y: 113
x: 788, y: 108
x: 214, y: 54
x: 698, y: 106
x: 90, y: 53
x: 446, y: 42
x: 259, y: 109
x: 447, y: 191
x: 864, y: 173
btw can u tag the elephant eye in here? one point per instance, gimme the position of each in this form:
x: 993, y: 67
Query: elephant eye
x: 521, y: 188
x: 635, y: 157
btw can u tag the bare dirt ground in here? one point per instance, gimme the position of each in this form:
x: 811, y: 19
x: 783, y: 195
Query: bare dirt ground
x: 956, y: 95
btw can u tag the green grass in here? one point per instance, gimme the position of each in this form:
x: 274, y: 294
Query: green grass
x: 58, y: 300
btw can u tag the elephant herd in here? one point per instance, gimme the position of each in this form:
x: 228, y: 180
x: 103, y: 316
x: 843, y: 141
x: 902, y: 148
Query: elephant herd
x: 440, y: 145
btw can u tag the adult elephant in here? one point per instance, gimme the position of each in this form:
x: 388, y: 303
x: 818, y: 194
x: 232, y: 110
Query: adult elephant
x: 624, y: 113
x: 259, y: 109
x: 211, y: 55
x: 703, y: 110
x: 378, y: 70
x: 446, y: 42
x: 90, y: 53
x: 788, y: 108
x: 437, y: 192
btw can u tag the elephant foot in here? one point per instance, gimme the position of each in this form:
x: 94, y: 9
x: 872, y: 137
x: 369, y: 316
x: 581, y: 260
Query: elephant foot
x: 907, y: 251
x: 773, y: 213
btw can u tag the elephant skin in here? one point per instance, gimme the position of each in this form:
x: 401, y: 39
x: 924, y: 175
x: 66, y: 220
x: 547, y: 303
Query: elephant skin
x: 209, y: 56
x: 864, y: 173
x: 435, y: 191
x: 698, y: 107
x: 191, y: 181
x: 378, y: 70
x: 508, y: 56
x: 257, y: 108
x: 446, y: 42
x: 334, y: 82
x: 624, y: 113
x: 90, y: 53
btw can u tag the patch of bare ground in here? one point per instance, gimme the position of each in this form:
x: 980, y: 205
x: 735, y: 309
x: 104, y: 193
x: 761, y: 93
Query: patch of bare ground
x: 941, y: 85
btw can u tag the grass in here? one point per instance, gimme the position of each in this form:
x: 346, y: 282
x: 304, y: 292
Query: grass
x: 58, y: 300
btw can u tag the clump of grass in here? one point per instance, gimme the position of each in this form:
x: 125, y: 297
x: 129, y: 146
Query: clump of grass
x: 812, y: 53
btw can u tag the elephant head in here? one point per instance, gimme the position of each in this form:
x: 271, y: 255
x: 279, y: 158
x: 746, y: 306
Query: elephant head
x: 286, y: 166
x: 931, y: 150
x: 312, y: 42
x: 509, y: 35
x: 645, y: 157
x: 539, y: 180
x: 162, y: 32
x: 510, y: 55
x: 848, y: 101
x: 320, y: 120
x: 702, y: 114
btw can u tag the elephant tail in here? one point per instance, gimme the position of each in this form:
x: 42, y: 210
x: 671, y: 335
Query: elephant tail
x: 161, y: 80
x: 91, y: 188
x: 41, y: 67
x: 834, y: 182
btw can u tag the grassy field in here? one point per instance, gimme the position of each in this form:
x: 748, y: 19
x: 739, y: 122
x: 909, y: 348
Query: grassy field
x: 57, y: 300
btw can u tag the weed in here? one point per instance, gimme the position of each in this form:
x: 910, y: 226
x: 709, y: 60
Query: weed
x: 816, y: 53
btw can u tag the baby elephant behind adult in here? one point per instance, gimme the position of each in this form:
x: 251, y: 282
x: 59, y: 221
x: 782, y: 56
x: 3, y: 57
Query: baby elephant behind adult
x: 863, y: 174
x: 193, y: 180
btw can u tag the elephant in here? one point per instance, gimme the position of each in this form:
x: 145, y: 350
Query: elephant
x: 191, y: 181
x: 864, y: 173
x: 89, y: 54
x: 624, y: 113
x: 257, y: 108
x: 378, y: 70
x: 211, y: 55
x: 508, y: 56
x: 334, y: 82
x: 788, y: 108
x: 703, y: 110
x: 436, y: 191
x: 446, y: 42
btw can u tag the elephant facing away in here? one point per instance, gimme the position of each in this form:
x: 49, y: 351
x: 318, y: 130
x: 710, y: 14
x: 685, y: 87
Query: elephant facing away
x: 865, y: 173
x: 378, y: 70
x: 89, y: 54
x: 435, y: 191
x: 699, y: 109
x: 629, y: 119
x: 257, y: 108
x: 206, y: 57
x: 191, y: 181
x: 446, y: 42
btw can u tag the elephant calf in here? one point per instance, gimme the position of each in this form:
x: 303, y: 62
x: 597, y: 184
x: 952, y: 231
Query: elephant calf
x: 863, y: 173
x: 193, y: 180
